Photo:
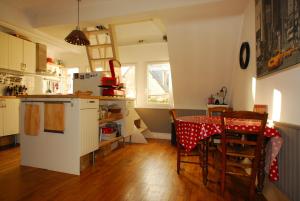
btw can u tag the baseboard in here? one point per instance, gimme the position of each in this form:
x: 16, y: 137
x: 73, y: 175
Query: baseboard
x: 165, y: 136
x: 272, y: 193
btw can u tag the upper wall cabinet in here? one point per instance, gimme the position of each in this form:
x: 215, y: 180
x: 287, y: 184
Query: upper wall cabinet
x: 3, y: 50
x: 15, y: 54
x: 29, y: 56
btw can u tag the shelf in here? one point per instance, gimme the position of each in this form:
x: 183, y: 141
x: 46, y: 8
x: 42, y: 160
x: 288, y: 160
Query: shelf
x: 107, y: 142
x: 55, y: 65
x: 102, y: 121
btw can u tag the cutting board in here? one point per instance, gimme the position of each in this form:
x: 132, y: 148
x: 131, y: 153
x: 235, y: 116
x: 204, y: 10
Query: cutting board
x: 54, y: 119
x: 32, y: 119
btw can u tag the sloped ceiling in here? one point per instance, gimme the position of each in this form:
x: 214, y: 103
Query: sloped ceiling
x: 57, y: 12
x: 136, y: 19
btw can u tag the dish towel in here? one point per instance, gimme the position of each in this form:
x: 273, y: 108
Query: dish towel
x: 32, y: 119
x: 54, y: 119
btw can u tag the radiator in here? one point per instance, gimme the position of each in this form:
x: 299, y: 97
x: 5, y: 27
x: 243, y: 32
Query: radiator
x: 289, y: 161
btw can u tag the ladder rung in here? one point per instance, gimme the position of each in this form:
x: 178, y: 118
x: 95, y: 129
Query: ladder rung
x: 97, y: 32
x: 102, y: 59
x: 99, y: 46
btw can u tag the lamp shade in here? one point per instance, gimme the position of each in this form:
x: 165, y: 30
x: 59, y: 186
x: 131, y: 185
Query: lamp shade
x: 77, y: 37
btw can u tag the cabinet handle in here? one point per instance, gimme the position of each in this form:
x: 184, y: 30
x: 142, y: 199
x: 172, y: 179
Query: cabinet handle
x: 91, y: 101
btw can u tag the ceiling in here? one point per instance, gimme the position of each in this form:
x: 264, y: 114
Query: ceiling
x: 56, y: 12
x: 134, y: 19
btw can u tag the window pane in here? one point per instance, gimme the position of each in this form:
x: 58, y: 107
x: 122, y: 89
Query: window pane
x: 128, y: 78
x: 99, y: 69
x: 159, y: 83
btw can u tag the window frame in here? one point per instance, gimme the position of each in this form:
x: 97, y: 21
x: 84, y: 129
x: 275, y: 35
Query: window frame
x: 151, y: 104
x: 135, y: 80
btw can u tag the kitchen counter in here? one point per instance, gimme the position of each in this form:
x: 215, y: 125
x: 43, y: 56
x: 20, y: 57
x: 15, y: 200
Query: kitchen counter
x: 8, y: 97
x: 75, y: 96
x: 58, y: 96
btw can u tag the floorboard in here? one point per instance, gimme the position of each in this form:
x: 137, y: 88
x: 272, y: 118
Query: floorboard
x: 138, y: 172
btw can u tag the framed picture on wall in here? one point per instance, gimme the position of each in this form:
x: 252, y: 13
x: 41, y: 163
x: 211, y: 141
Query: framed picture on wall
x: 277, y: 26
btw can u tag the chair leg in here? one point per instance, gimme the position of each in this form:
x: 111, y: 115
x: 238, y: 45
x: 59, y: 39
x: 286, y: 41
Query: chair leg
x: 205, y: 161
x: 261, y: 171
x: 222, y: 182
x: 223, y: 174
x: 252, y: 193
x: 178, y: 161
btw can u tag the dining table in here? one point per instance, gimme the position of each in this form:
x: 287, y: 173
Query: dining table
x: 192, y: 129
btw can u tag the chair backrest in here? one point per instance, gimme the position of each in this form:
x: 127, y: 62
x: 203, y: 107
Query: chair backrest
x: 217, y: 111
x: 243, y: 138
x: 260, y: 108
x: 173, y: 114
x: 256, y: 118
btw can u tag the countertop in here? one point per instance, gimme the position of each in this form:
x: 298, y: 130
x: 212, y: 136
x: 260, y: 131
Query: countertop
x: 75, y: 96
x: 8, y: 97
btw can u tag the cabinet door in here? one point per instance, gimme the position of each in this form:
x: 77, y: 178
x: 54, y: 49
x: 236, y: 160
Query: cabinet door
x: 15, y: 53
x: 29, y: 58
x: 3, y: 50
x: 89, y: 140
x: 11, y: 117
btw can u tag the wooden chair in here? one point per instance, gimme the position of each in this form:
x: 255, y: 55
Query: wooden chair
x: 260, y: 108
x: 217, y: 111
x: 180, y: 149
x: 235, y: 149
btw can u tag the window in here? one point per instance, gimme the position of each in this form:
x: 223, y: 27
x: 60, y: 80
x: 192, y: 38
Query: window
x: 128, y: 77
x: 159, y: 83
x: 99, y: 69
x: 70, y: 75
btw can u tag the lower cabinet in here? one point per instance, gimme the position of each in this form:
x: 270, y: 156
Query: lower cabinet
x: 9, y: 116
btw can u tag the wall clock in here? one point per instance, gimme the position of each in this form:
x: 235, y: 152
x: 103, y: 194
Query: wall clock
x: 244, y: 55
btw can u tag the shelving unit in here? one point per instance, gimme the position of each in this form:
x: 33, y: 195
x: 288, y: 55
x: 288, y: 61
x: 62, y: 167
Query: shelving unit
x: 110, y: 119
x: 109, y: 142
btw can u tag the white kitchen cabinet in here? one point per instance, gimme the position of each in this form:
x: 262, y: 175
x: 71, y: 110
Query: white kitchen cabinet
x: 4, y: 50
x: 11, y: 117
x: 89, y: 126
x: 15, y: 53
x: 29, y: 56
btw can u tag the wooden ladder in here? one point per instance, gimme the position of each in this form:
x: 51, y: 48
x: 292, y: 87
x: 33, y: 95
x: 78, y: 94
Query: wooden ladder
x: 102, y: 47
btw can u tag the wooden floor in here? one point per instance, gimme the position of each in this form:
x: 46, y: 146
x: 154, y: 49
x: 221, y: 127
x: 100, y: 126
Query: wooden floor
x: 137, y: 172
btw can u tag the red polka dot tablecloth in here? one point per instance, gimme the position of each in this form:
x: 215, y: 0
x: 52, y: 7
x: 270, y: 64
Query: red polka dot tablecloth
x: 192, y: 129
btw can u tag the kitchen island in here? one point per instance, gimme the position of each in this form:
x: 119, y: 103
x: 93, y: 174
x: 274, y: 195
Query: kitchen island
x: 56, y: 130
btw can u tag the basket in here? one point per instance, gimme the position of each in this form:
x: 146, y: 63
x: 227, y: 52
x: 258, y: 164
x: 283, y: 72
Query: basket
x: 105, y: 136
x: 83, y: 93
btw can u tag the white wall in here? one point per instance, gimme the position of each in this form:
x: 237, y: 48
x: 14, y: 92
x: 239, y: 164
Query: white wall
x: 287, y: 82
x: 242, y: 98
x: 141, y: 55
x: 202, y: 53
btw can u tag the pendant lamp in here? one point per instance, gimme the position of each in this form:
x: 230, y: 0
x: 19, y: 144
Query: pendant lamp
x: 77, y: 37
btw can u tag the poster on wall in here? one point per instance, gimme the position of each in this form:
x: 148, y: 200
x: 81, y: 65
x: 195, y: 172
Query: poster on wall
x: 277, y: 27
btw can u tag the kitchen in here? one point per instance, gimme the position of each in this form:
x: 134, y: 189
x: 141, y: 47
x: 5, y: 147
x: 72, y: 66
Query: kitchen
x: 171, y: 54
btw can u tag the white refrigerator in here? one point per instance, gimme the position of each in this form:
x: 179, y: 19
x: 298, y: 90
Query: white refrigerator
x: 89, y: 82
